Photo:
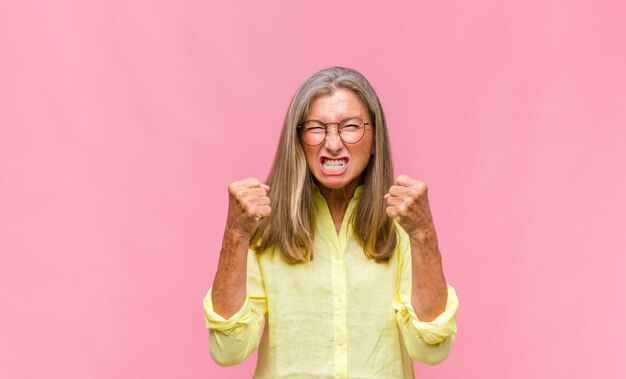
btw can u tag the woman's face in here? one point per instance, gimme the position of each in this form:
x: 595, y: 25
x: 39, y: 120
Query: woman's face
x: 334, y: 163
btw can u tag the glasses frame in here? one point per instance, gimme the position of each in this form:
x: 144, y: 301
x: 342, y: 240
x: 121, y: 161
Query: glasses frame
x: 300, y: 128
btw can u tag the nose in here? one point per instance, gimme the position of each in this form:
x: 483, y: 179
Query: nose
x: 333, y: 141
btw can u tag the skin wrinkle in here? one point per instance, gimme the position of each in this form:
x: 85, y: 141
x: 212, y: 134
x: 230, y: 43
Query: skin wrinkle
x: 339, y: 189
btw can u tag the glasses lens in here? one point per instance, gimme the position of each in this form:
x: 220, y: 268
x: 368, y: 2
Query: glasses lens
x: 352, y: 130
x: 313, y: 132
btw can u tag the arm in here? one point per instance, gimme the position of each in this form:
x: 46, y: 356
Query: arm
x: 235, y: 305
x: 426, y: 305
x: 229, y: 286
x: 427, y: 341
x: 429, y: 291
x: 234, y: 338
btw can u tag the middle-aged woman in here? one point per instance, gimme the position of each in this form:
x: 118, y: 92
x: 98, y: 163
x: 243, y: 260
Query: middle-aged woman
x: 336, y: 262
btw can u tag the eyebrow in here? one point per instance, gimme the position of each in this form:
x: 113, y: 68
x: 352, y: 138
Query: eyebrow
x: 345, y: 118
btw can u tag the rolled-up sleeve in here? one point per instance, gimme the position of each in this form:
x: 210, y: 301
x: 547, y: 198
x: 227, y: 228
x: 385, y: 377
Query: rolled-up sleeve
x: 232, y: 340
x: 426, y: 341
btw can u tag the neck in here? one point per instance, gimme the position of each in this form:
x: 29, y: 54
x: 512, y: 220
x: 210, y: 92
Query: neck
x: 339, y: 198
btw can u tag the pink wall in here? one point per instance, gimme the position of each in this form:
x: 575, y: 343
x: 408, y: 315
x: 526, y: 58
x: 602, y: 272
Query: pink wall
x: 122, y: 123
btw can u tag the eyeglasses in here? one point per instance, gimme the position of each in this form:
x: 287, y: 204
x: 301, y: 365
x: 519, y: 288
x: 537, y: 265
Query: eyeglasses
x: 314, y: 132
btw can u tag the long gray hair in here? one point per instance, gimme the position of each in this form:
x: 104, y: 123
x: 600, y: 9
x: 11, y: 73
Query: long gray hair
x: 290, y: 227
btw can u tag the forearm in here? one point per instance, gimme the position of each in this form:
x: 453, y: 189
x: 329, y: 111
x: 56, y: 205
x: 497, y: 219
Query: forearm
x: 228, y: 293
x: 429, y: 288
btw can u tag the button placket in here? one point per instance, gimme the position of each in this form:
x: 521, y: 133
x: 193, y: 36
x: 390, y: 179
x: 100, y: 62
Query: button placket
x: 340, y: 312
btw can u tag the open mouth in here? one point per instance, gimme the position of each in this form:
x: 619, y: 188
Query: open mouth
x: 333, y: 166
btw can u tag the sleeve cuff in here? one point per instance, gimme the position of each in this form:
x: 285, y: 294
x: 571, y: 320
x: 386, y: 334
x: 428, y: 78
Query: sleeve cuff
x: 215, y: 321
x: 433, y: 331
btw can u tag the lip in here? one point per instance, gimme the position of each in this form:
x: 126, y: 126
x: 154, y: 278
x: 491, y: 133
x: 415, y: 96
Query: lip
x: 334, y: 172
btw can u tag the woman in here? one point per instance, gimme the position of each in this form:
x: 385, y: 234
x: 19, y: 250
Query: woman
x: 335, y: 258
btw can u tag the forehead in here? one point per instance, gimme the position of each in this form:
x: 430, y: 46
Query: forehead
x: 337, y: 106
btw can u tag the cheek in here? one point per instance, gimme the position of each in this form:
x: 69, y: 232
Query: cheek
x: 311, y: 158
x: 364, y: 150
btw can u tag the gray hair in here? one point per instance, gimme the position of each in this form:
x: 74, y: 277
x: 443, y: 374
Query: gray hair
x: 290, y: 227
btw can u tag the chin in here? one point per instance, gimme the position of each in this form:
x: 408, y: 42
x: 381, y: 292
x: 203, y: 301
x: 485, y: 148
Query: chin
x: 332, y: 183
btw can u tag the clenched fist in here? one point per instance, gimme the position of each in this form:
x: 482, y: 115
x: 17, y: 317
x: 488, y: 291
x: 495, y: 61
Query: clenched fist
x: 407, y: 202
x: 248, y: 203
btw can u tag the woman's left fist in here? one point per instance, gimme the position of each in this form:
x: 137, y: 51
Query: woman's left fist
x: 407, y: 202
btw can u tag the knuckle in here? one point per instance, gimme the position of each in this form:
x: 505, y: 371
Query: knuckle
x: 246, y: 205
x: 250, y: 211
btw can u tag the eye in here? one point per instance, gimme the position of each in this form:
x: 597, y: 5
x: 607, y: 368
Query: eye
x: 315, y: 129
x: 350, y: 127
x: 351, y: 124
x: 313, y: 126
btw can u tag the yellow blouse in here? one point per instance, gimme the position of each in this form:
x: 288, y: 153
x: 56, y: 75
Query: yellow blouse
x: 341, y: 315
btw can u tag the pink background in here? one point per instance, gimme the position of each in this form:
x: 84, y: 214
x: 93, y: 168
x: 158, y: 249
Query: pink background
x: 122, y: 123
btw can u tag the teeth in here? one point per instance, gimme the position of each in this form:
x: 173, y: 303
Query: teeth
x: 333, y: 164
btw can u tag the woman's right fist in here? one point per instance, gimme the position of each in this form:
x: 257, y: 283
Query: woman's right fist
x: 247, y: 205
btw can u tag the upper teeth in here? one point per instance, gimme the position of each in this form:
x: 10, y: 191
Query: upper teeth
x: 334, y: 162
